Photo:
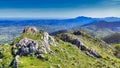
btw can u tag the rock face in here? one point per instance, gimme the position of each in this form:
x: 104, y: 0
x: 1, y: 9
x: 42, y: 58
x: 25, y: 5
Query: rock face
x: 80, y: 45
x: 46, y: 42
x: 26, y: 46
x: 90, y: 52
x: 74, y: 41
x: 30, y: 30
x: 77, y: 33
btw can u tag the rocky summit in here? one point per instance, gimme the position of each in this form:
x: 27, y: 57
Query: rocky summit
x: 37, y: 49
x: 26, y: 46
x: 30, y: 30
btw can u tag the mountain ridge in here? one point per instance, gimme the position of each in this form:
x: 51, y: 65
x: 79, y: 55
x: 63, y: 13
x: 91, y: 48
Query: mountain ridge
x: 36, y: 48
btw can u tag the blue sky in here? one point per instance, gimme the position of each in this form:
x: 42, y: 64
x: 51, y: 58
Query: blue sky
x: 59, y: 8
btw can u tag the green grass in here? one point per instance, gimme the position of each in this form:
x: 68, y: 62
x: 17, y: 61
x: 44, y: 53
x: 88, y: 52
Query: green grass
x: 7, y: 57
x: 66, y: 55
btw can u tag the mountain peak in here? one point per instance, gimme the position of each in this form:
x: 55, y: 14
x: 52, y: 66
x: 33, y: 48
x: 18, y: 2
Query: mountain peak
x: 83, y: 17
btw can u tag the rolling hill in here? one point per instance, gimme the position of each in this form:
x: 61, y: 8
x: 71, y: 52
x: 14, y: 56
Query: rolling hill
x: 112, y: 39
x: 102, y: 28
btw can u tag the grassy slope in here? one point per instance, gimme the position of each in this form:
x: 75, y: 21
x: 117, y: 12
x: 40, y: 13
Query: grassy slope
x: 66, y: 55
x: 113, y: 38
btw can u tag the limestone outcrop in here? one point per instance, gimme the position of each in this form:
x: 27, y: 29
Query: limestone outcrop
x: 30, y: 47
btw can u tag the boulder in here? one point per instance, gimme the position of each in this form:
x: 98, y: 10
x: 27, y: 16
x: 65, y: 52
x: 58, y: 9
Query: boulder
x: 58, y: 66
x: 1, y: 60
x: 46, y: 40
x: 18, y: 45
x: 76, y: 42
x: 14, y: 52
x: 14, y: 62
x: 52, y: 41
x: 91, y: 52
x: 39, y: 51
x: 2, y: 66
x: 65, y: 38
x: 94, y: 53
x: 52, y: 53
x: 83, y: 48
x: 24, y: 47
x: 77, y: 33
x: 40, y: 56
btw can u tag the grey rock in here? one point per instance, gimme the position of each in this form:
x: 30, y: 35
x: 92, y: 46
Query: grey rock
x: 26, y: 46
x: 0, y: 60
x: 94, y: 53
x: 26, y: 51
x: 77, y: 33
x: 14, y: 52
x: 14, y: 62
x: 52, y: 53
x: 40, y: 56
x: 30, y: 30
x: 18, y: 45
x: 39, y: 51
x: 52, y: 41
x: 79, y: 44
x: 31, y: 47
x: 45, y: 43
x: 76, y: 42
x: 58, y: 66
x: 66, y: 38
x: 2, y: 66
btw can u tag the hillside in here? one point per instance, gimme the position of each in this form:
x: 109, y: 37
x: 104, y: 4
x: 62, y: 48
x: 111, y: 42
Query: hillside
x: 37, y: 49
x: 112, y: 39
x: 101, y: 29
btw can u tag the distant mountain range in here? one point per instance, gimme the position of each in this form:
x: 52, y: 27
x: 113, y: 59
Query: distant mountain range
x: 58, y: 23
x: 11, y: 28
x: 55, y: 24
